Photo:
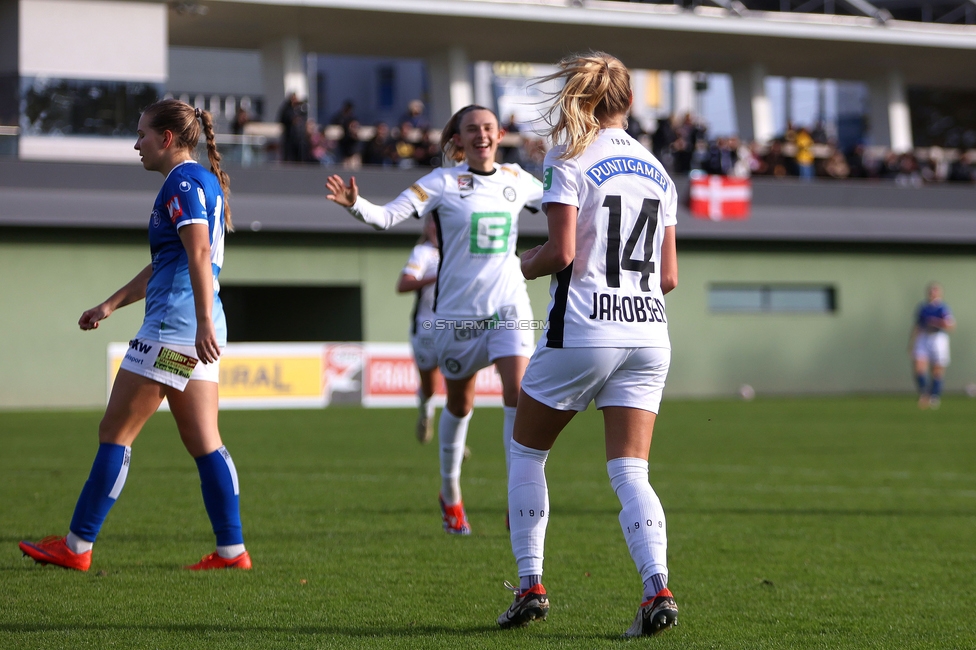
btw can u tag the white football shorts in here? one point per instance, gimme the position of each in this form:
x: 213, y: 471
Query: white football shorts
x: 932, y: 347
x: 169, y: 364
x: 568, y: 379
x: 424, y: 351
x: 465, y: 347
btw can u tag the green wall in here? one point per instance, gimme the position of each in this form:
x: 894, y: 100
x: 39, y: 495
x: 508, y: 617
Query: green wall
x: 47, y: 281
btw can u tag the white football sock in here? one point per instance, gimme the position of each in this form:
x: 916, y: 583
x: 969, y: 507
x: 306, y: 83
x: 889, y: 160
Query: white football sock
x: 452, y: 431
x: 231, y: 551
x: 77, y: 544
x: 641, y: 517
x: 507, y: 428
x: 528, y: 506
x: 422, y: 402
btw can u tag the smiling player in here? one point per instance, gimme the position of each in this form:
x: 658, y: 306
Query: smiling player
x: 481, y: 305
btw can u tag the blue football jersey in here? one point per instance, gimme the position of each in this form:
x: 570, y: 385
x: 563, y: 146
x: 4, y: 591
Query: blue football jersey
x: 929, y: 312
x: 190, y: 194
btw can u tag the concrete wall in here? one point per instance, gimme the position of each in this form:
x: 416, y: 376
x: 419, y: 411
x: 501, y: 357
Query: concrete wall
x: 47, y: 283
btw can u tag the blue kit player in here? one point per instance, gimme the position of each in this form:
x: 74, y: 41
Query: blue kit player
x: 176, y: 353
x: 930, y: 346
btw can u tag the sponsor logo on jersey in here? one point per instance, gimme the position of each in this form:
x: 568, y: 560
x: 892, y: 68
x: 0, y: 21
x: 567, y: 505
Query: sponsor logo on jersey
x: 465, y: 183
x: 547, y: 179
x: 420, y: 193
x: 627, y: 309
x: 184, y: 186
x: 607, y: 168
x: 140, y: 347
x: 509, y: 193
x: 155, y: 218
x: 174, y: 209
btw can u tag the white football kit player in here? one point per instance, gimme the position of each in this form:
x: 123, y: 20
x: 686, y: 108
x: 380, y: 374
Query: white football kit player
x: 481, y: 306
x: 422, y: 264
x: 609, y: 298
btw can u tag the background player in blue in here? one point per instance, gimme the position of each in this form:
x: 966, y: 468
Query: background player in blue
x: 184, y: 326
x: 929, y: 345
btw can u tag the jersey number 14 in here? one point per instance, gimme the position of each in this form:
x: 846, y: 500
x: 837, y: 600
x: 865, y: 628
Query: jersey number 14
x: 647, y: 224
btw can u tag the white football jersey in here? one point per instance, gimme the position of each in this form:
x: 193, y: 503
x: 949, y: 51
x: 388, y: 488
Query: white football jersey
x: 610, y: 294
x: 477, y: 228
x: 421, y: 265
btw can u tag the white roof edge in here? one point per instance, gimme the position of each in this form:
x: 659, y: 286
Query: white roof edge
x: 606, y: 13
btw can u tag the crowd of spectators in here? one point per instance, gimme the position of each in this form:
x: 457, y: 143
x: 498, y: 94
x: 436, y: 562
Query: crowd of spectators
x: 681, y: 143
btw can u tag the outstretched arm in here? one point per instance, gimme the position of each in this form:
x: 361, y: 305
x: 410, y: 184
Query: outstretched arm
x: 380, y: 217
x: 133, y: 291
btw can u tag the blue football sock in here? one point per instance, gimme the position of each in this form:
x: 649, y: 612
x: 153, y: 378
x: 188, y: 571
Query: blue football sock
x: 103, y: 487
x: 218, y: 481
x: 920, y: 382
x: 936, y: 389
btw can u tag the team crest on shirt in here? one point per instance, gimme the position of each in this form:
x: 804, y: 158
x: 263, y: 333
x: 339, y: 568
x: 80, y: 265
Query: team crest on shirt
x: 174, y: 209
x: 155, y: 218
x: 465, y: 183
x: 509, y: 193
x: 184, y: 186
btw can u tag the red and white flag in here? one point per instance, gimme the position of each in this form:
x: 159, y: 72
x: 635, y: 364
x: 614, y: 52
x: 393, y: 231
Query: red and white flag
x: 720, y: 198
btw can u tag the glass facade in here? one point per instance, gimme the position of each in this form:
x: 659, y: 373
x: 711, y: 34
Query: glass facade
x: 82, y: 107
x: 753, y: 299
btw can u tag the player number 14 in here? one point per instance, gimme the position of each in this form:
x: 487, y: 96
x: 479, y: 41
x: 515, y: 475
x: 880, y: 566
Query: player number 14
x: 646, y: 221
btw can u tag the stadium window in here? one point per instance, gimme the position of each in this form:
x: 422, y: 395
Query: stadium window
x: 292, y: 313
x: 83, y: 107
x: 772, y: 299
x: 385, y: 86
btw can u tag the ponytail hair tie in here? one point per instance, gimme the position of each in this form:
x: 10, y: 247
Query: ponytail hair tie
x: 197, y: 112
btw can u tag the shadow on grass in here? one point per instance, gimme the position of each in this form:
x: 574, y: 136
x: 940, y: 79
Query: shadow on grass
x: 388, y: 631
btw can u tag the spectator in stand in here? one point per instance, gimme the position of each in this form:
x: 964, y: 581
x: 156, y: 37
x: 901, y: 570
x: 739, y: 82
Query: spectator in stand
x: 404, y: 144
x: 819, y: 133
x: 855, y: 162
x: 661, y: 142
x: 776, y: 163
x: 961, y: 170
x: 292, y: 116
x: 350, y: 146
x: 415, y: 116
x: 241, y: 118
x: 345, y: 115
x: 836, y: 166
x: 425, y: 151
x: 315, y: 150
x: 381, y: 150
x: 634, y: 128
x: 721, y: 158
x: 510, y: 154
x: 804, y: 154
x: 908, y: 173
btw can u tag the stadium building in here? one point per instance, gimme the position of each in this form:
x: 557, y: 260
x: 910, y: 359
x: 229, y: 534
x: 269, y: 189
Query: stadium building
x: 813, y: 293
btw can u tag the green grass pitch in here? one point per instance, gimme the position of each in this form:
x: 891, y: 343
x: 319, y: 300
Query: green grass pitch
x: 793, y: 523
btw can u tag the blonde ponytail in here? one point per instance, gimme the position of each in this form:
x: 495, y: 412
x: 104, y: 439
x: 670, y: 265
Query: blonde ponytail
x: 597, y: 87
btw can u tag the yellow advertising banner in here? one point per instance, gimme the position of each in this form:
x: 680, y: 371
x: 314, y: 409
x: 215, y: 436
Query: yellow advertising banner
x: 254, y: 375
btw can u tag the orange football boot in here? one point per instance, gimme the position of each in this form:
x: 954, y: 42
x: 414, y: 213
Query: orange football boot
x: 54, y: 550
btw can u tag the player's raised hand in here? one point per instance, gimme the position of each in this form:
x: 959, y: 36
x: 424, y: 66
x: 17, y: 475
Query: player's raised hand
x: 339, y: 192
x: 89, y: 319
